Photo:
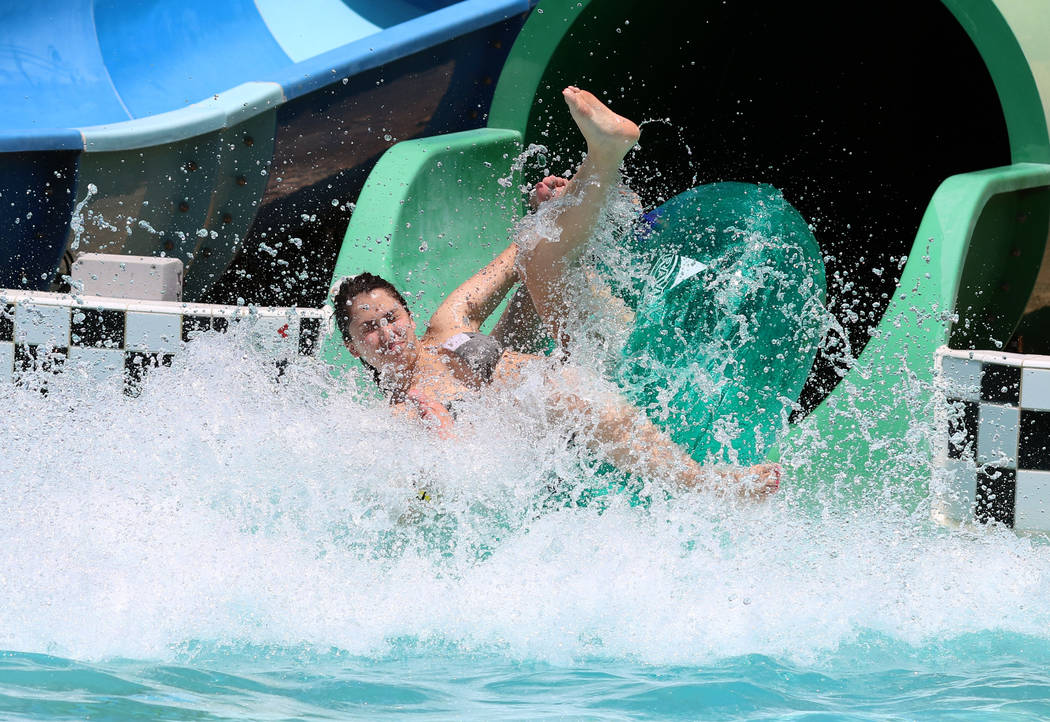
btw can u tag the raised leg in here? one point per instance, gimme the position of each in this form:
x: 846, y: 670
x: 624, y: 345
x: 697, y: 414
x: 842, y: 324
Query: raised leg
x: 542, y: 260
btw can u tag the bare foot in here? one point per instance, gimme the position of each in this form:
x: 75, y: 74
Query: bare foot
x: 766, y: 481
x: 753, y: 482
x: 609, y: 136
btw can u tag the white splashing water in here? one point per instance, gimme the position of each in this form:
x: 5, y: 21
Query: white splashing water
x: 220, y: 505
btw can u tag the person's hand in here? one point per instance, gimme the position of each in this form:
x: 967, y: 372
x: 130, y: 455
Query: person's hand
x: 550, y: 187
x: 432, y: 412
x: 767, y: 481
x: 745, y: 482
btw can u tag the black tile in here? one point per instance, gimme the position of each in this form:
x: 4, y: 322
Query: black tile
x: 220, y: 324
x: 97, y: 328
x: 962, y: 417
x: 1001, y: 384
x: 996, y: 494
x: 1033, y: 443
x: 25, y: 357
x: 30, y: 357
x: 33, y: 362
x: 194, y: 324
x: 7, y: 322
x: 309, y: 333
x: 137, y: 364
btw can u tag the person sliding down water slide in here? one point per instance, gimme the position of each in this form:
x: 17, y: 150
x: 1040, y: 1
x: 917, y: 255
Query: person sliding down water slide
x: 425, y: 376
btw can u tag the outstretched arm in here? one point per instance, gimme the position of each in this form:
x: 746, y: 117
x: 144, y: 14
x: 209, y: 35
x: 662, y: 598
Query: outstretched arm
x: 468, y: 306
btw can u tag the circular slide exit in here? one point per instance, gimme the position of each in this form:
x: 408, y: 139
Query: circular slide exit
x: 856, y: 114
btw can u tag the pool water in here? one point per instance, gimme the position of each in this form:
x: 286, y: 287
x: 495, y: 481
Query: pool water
x: 226, y: 546
x: 979, y: 676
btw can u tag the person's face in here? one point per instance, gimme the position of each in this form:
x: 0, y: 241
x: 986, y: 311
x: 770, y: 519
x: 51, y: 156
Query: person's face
x: 382, y: 332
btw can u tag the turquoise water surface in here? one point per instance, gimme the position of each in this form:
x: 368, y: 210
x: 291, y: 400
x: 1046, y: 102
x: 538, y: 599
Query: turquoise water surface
x: 979, y: 676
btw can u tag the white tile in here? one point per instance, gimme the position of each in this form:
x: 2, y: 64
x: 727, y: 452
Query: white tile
x: 101, y: 364
x: 153, y: 332
x: 7, y: 361
x: 1035, y: 388
x: 961, y: 378
x: 997, y: 433
x: 940, y: 431
x: 1032, y: 504
x: 1031, y: 361
x: 47, y: 325
x: 954, y: 490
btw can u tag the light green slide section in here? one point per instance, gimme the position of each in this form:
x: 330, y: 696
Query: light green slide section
x: 862, y: 432
x: 975, y: 257
x: 1011, y: 37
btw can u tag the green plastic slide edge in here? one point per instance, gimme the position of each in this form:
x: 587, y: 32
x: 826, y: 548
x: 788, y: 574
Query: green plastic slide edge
x: 872, y: 425
x: 527, y: 62
x: 1011, y: 36
x: 432, y: 212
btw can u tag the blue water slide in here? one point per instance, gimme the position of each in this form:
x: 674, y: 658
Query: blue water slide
x: 156, y: 128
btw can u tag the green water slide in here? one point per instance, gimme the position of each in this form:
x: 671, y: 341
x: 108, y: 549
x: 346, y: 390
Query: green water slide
x: 921, y: 164
x: 968, y: 275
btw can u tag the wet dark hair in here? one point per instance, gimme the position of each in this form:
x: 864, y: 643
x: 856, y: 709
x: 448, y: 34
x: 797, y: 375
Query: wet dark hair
x: 352, y: 286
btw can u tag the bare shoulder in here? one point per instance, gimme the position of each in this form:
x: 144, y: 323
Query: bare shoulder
x: 437, y: 334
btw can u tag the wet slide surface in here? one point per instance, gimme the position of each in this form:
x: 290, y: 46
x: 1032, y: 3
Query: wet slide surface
x: 68, y: 65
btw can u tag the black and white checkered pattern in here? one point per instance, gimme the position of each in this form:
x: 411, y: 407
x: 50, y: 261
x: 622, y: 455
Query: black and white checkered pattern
x: 993, y: 460
x: 50, y: 332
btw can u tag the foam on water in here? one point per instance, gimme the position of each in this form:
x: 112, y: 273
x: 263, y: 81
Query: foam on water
x: 222, y: 507
x: 225, y: 507
x: 225, y: 520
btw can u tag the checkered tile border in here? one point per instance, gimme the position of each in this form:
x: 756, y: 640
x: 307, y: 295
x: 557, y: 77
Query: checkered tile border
x: 51, y: 332
x: 993, y: 460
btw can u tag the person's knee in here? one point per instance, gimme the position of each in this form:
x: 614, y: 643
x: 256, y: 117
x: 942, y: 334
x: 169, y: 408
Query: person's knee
x: 578, y: 394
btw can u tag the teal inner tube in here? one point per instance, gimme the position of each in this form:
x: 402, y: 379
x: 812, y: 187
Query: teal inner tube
x: 729, y: 312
